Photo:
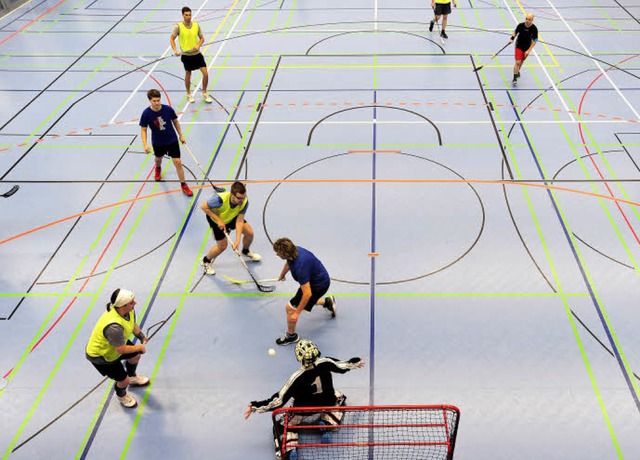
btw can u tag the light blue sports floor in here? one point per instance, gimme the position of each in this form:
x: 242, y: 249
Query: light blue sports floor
x: 483, y: 240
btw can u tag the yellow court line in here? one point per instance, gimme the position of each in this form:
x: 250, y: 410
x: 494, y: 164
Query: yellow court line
x: 224, y: 20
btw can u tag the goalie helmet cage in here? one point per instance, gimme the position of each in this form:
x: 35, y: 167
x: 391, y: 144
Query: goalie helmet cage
x: 367, y: 432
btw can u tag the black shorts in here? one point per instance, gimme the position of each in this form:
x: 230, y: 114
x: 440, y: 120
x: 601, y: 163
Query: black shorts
x: 316, y: 294
x: 171, y: 150
x: 115, y: 370
x: 443, y: 9
x: 193, y: 62
x: 218, y: 234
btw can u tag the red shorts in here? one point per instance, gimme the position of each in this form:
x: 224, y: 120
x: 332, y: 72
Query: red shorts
x: 520, y: 55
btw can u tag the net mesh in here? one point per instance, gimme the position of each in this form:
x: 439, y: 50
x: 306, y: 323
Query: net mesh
x: 368, y: 432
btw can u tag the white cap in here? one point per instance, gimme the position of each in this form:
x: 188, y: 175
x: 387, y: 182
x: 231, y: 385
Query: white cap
x: 124, y: 297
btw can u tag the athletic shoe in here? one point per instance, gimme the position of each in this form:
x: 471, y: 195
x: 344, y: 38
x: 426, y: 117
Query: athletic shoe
x: 128, y: 401
x: 330, y: 304
x: 431, y: 26
x: 208, y: 267
x: 252, y: 256
x: 326, y: 436
x: 293, y: 455
x: 443, y: 34
x: 139, y: 381
x: 286, y: 339
x: 187, y: 191
x: 190, y: 98
x: 207, y: 98
x: 515, y: 81
x: 158, y: 173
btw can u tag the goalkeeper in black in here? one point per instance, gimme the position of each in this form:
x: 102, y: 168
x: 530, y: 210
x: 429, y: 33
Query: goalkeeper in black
x: 309, y: 386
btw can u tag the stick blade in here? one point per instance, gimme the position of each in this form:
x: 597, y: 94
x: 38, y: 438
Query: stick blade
x: 11, y: 191
x: 478, y: 68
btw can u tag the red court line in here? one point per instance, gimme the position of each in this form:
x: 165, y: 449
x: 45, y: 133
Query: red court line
x: 49, y: 10
x: 150, y: 76
x: 93, y: 270
x: 335, y: 181
x: 593, y: 162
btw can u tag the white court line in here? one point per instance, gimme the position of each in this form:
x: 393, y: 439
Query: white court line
x: 605, y: 74
x: 543, y: 67
x: 375, y: 15
x: 224, y: 42
x: 146, y: 76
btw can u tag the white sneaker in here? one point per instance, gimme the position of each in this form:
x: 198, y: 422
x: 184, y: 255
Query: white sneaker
x: 190, y: 98
x: 139, y: 381
x: 252, y: 256
x: 207, y: 98
x: 128, y: 401
x: 208, y: 267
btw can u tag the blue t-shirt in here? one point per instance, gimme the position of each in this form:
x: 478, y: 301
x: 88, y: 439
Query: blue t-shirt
x: 161, y: 125
x: 306, y: 268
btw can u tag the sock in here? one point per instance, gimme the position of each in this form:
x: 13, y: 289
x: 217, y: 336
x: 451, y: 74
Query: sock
x: 291, y: 335
x: 245, y: 251
x: 131, y: 368
x: 205, y: 260
x: 120, y: 391
x: 183, y: 183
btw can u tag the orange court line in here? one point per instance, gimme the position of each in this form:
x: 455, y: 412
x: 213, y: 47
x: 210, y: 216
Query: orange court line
x: 336, y: 181
x: 351, y: 104
x: 373, y: 254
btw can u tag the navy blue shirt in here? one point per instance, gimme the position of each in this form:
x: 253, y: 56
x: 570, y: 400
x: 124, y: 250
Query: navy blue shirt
x: 161, y: 125
x: 306, y: 268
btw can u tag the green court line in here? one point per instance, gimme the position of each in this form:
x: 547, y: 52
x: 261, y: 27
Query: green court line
x: 578, y: 340
x: 92, y: 146
x: 554, y: 197
x: 254, y: 114
x: 147, y: 17
x: 603, y: 12
x: 66, y: 100
x: 59, y: 14
x: 48, y: 294
x: 50, y: 315
x: 615, y: 228
x: 581, y: 162
x: 382, y: 294
x: 286, y: 24
x: 185, y: 293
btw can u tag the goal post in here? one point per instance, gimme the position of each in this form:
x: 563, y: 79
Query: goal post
x: 407, y: 432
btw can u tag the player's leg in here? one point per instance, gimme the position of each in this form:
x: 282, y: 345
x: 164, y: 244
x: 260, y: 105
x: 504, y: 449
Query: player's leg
x: 187, y: 85
x: 444, y: 26
x: 519, y: 57
x: 131, y: 366
x: 317, y: 298
x: 115, y: 371
x: 247, y: 238
x: 290, y: 336
x: 158, y: 153
x: 221, y: 244
x: 205, y: 83
x: 174, y: 153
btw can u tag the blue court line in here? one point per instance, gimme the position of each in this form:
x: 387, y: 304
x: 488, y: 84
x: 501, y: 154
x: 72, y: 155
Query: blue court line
x: 372, y: 308
x: 580, y: 267
x: 94, y: 431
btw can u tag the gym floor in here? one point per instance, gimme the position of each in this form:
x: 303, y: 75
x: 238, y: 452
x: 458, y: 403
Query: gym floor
x: 482, y: 238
